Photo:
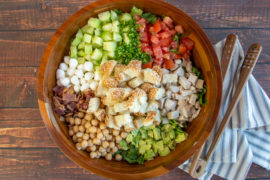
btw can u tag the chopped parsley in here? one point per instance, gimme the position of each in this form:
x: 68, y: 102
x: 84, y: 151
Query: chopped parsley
x: 151, y: 18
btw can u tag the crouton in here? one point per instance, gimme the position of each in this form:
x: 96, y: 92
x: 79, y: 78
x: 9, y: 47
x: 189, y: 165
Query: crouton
x: 173, y: 115
x: 109, y: 82
x: 158, y: 70
x: 101, y: 90
x: 135, y: 82
x: 156, y: 93
x: 120, y: 107
x: 138, y: 122
x: 115, y: 95
x: 122, y: 77
x: 152, y: 105
x: 169, y: 78
x: 100, y: 114
x: 107, y: 68
x: 122, y: 119
x: 93, y: 105
x: 110, y: 110
x: 134, y: 68
x: 192, y: 78
x: 142, y: 110
x: 199, y: 84
x: 146, y: 87
x: 109, y: 121
x: 136, y: 98
x: 150, y: 118
x: 170, y: 104
x: 129, y: 127
x: 184, y: 82
x: 151, y: 76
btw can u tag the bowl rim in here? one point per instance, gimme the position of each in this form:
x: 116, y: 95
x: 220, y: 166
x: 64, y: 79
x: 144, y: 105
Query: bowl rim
x: 43, y: 105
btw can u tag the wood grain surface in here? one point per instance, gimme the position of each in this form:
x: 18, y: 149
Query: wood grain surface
x: 26, y: 26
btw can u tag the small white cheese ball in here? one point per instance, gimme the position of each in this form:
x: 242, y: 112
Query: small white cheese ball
x: 70, y: 72
x: 97, y: 76
x: 74, y: 80
x: 63, y: 66
x: 79, y: 73
x: 60, y: 74
x: 84, y: 87
x: 88, y: 66
x: 80, y: 67
x: 65, y: 81
x: 59, y: 83
x: 76, y: 88
x: 66, y: 59
x: 93, y: 85
x: 83, y: 81
x: 88, y: 76
x: 73, y: 63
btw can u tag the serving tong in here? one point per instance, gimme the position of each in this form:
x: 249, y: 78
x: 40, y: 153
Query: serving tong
x: 198, y: 165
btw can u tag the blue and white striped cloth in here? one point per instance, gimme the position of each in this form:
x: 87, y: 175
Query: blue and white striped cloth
x: 246, y: 140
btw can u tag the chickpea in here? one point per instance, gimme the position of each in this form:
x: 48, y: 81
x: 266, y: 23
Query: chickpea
x: 108, y: 156
x: 105, y: 132
x: 102, y: 125
x: 84, y: 144
x: 88, y: 149
x: 118, y: 139
x: 81, y: 128
x: 78, y: 121
x: 123, y: 135
x: 90, y: 143
x: 76, y: 129
x: 98, y: 154
x: 74, y: 138
x: 114, y: 149
x: 88, y: 117
x: 111, y: 144
x: 94, y: 122
x: 67, y: 119
x: 103, y: 154
x: 71, y: 121
x: 99, y: 135
x: 84, y: 121
x: 118, y: 157
x: 109, y: 137
x: 115, y: 132
x: 92, y: 135
x: 87, y: 125
x: 96, y: 141
x: 85, y: 136
x: 79, y: 140
x: 93, y: 155
x: 108, y: 150
x: 98, y: 130
x: 101, y: 149
x: 80, y: 114
x: 92, y: 129
x: 103, y: 138
x: 93, y: 148
x: 78, y: 146
x: 70, y: 132
x: 79, y: 134
x: 105, y: 144
x: 87, y: 130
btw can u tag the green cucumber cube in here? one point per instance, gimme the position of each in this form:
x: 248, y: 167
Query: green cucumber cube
x: 114, y: 16
x: 104, y: 16
x: 79, y: 34
x: 81, y: 45
x: 125, y: 17
x: 106, y: 36
x: 117, y: 37
x: 107, y: 27
x: 97, y: 41
x: 104, y: 59
x: 115, y: 26
x: 87, y: 38
x: 73, y: 52
x: 97, y: 32
x: 110, y: 54
x: 109, y: 46
x: 126, y: 29
x: 88, y: 57
x: 88, y: 29
x: 94, y: 22
x: 97, y: 54
x: 76, y: 41
x: 135, y: 11
x: 88, y: 49
x: 126, y: 38
x: 81, y: 60
x: 81, y: 53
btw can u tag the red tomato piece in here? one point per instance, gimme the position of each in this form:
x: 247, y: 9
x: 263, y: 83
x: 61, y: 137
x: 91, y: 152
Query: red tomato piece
x: 141, y: 24
x: 144, y: 37
x: 147, y: 65
x: 151, y: 29
x: 172, y: 32
x: 157, y: 26
x: 157, y: 52
x: 179, y: 29
x: 168, y: 64
x: 174, y: 45
x: 165, y: 49
x: 164, y: 27
x: 157, y: 62
x: 175, y: 56
x: 144, y: 45
x: 137, y: 17
x: 148, y: 50
x: 167, y: 56
x: 164, y: 34
x: 154, y: 39
x: 182, y: 49
x: 188, y: 43
x: 165, y: 42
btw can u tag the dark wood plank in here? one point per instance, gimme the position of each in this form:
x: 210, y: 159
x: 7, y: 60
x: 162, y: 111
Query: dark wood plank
x: 45, y: 14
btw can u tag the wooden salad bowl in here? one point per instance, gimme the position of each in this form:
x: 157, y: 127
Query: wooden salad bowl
x: 198, y: 130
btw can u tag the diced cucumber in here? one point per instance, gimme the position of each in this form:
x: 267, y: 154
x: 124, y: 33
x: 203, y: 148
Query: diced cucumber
x: 109, y: 46
x: 73, y: 52
x: 94, y: 22
x: 97, y: 41
x: 81, y: 45
x: 117, y: 37
x: 115, y: 26
x: 126, y: 29
x: 97, y: 32
x: 135, y: 11
x: 113, y: 15
x: 107, y: 27
x: 88, y: 29
x: 106, y: 36
x: 81, y: 53
x: 104, y: 16
x: 88, y: 57
x: 126, y: 38
x: 97, y: 54
x: 110, y: 54
x: 76, y: 41
x: 125, y: 17
x: 79, y: 34
x: 88, y: 49
x: 104, y: 59
x: 81, y: 60
x: 87, y: 38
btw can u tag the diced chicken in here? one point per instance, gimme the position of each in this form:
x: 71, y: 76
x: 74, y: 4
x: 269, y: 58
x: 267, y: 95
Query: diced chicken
x: 174, y: 89
x: 146, y: 87
x: 178, y: 61
x: 199, y: 84
x: 161, y: 103
x: 182, y: 118
x: 176, y: 96
x: 93, y: 105
x: 181, y: 104
x: 165, y: 71
x: 197, y: 105
x: 151, y: 76
x: 185, y: 111
x: 109, y: 121
x: 192, y: 99
x: 107, y: 68
x: 179, y: 71
x: 186, y: 92
x: 184, y: 62
x: 170, y: 104
x: 129, y: 127
x: 120, y: 107
x: 196, y: 113
x: 165, y: 120
x: 192, y: 78
x: 189, y: 66
x: 169, y: 78
x: 173, y: 115
x: 138, y: 122
x: 150, y: 118
x: 164, y: 112
x: 156, y: 93
x: 184, y: 82
x: 135, y: 82
x: 100, y: 114
x: 193, y: 89
x: 168, y: 94
x: 122, y: 119
x: 152, y: 106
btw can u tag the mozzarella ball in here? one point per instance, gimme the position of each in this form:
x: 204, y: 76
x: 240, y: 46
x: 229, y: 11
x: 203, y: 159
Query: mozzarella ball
x: 75, y: 80
x: 93, y: 85
x: 63, y: 66
x: 59, y: 83
x: 64, y: 81
x: 88, y: 76
x: 70, y: 72
x: 73, y: 63
x: 60, y: 74
x: 80, y: 67
x: 84, y: 87
x: 83, y: 81
x: 88, y: 66
x: 66, y: 59
x: 76, y: 88
x: 79, y: 73
x: 97, y: 76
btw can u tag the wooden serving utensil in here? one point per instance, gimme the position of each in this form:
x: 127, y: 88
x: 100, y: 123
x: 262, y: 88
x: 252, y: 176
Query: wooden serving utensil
x: 246, y: 69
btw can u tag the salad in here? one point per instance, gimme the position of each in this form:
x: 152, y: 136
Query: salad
x: 128, y: 88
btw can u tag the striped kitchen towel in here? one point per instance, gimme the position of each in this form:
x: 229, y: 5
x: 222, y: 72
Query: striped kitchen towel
x: 247, y: 137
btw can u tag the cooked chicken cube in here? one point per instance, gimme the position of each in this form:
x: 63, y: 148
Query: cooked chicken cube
x: 186, y: 92
x: 196, y: 113
x: 122, y: 119
x: 143, y: 108
x: 181, y: 104
x: 178, y: 61
x: 173, y: 115
x: 192, y: 78
x: 176, y: 96
x: 189, y: 66
x: 165, y: 71
x: 156, y: 93
x: 179, y: 71
x: 161, y: 103
x: 165, y: 120
x: 120, y: 107
x: 184, y: 82
x: 185, y: 111
x: 168, y: 94
x: 182, y: 118
x: 174, y: 89
x: 135, y: 82
x: 109, y: 121
x: 157, y: 121
x: 197, y: 105
x: 169, y: 78
x: 138, y: 122
x: 151, y: 76
x: 192, y: 99
x: 100, y: 114
x: 129, y: 127
x: 93, y: 105
x: 199, y: 84
x: 170, y: 104
x: 152, y: 106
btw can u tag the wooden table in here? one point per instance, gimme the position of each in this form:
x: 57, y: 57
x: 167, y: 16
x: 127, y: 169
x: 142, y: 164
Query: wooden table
x: 26, y: 26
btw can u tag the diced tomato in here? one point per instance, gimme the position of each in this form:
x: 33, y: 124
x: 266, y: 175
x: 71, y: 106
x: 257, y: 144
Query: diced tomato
x: 182, y: 49
x: 144, y: 37
x: 175, y: 56
x: 164, y: 27
x: 144, y: 45
x: 148, y: 50
x: 174, y: 45
x: 157, y: 52
x: 168, y: 64
x: 172, y: 32
x: 147, y: 65
x: 154, y: 39
x: 157, y: 62
x: 137, y: 17
x: 157, y: 26
x: 168, y: 21
x: 179, y: 29
x: 165, y: 49
x: 188, y: 43
x: 165, y: 42
x: 141, y: 28
x: 151, y: 30
x: 141, y: 24
x: 164, y: 34
x: 167, y: 56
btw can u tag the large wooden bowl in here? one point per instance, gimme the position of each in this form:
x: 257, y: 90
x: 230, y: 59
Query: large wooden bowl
x: 199, y: 129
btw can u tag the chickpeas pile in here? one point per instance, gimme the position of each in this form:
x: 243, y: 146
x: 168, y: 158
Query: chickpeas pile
x: 92, y: 135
